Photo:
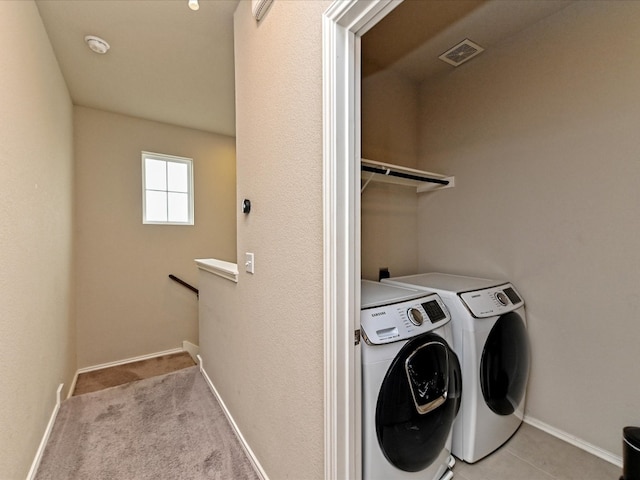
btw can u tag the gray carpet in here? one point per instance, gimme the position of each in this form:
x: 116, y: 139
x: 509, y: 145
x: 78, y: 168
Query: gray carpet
x: 166, y: 427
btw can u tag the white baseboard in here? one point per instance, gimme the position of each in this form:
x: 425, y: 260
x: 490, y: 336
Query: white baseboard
x: 45, y: 438
x: 73, y: 385
x: 129, y: 360
x: 192, y: 349
x: 575, y: 441
x: 256, y: 464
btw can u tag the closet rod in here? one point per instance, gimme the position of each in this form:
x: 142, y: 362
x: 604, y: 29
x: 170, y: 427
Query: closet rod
x: 384, y: 171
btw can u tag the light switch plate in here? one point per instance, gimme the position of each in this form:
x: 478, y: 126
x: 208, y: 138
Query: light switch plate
x: 249, y: 262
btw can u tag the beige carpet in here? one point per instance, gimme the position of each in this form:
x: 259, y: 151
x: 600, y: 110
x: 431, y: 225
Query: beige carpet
x: 130, y: 372
x: 167, y: 427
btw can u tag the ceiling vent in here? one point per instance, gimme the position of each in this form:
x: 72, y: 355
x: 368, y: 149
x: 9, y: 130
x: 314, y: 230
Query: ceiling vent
x: 462, y: 52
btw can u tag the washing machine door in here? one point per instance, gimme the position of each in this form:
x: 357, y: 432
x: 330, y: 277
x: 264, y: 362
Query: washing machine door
x: 504, y: 367
x: 418, y: 401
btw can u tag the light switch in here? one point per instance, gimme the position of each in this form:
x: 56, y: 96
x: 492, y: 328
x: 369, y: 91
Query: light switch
x: 249, y: 262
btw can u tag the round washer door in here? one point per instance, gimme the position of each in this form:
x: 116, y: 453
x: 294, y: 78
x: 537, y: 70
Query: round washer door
x: 504, y: 368
x: 418, y: 401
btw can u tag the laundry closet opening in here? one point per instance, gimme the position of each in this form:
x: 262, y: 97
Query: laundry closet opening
x: 537, y: 127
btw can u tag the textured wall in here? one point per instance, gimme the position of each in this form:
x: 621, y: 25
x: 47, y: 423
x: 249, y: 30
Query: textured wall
x: 390, y: 110
x: 126, y: 305
x: 262, y: 340
x: 36, y: 212
x: 541, y: 134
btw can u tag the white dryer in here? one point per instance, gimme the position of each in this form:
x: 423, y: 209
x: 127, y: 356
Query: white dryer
x: 491, y: 340
x: 411, y: 384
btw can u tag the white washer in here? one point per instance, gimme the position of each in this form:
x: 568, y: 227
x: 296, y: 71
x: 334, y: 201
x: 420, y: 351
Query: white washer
x: 411, y: 384
x: 491, y: 340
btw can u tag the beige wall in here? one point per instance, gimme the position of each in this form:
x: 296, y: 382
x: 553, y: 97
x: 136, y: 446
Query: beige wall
x: 126, y: 304
x: 389, y: 134
x: 36, y: 188
x: 541, y: 134
x: 390, y: 113
x: 263, y: 348
x: 389, y: 230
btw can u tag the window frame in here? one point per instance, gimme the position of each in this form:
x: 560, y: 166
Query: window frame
x: 190, y: 193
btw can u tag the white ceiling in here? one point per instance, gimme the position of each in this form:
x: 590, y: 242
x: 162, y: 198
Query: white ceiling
x: 166, y: 63
x: 170, y: 64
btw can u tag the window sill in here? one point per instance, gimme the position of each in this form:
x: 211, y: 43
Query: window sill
x: 220, y: 268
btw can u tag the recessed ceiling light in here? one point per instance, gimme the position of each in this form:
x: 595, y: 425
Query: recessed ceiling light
x: 193, y: 4
x: 97, y: 44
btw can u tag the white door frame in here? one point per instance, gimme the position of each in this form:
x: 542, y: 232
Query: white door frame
x: 343, y: 24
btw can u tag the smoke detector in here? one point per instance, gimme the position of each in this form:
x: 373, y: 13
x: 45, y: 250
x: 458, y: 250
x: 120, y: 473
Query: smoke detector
x: 97, y: 44
x: 259, y: 8
x: 462, y: 52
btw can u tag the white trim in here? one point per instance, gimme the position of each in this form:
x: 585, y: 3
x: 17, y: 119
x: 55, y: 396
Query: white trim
x: 129, y: 360
x: 252, y: 457
x: 190, y: 193
x: 192, y: 349
x: 343, y: 24
x: 221, y: 268
x: 575, y: 441
x: 73, y: 384
x: 45, y: 438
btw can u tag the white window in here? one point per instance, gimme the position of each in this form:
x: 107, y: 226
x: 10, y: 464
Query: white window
x: 167, y: 189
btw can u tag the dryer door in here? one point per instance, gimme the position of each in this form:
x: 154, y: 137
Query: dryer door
x: 504, y: 368
x: 418, y: 401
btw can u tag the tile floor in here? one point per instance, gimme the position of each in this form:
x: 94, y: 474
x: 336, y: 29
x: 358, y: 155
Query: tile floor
x: 532, y: 454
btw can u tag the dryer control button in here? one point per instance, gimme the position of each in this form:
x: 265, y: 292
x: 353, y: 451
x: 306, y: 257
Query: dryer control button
x: 415, y: 316
x: 502, y: 298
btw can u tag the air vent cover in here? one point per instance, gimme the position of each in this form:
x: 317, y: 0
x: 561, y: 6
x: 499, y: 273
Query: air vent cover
x: 462, y: 52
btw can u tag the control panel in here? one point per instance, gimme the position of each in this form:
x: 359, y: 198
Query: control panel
x: 492, y: 301
x: 400, y: 321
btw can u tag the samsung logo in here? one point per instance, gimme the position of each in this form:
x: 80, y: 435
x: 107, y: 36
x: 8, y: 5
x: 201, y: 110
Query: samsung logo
x: 378, y: 314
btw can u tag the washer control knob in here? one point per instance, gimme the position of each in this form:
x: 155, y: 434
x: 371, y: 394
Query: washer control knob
x: 415, y: 316
x: 502, y: 298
